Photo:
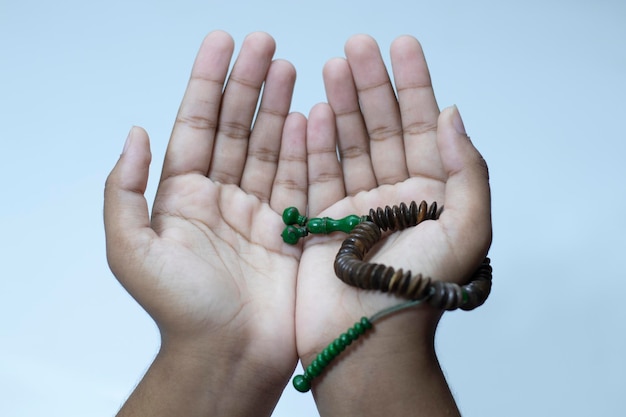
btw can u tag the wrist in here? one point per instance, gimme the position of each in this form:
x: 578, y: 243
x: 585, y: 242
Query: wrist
x: 387, y: 371
x: 236, y: 363
x: 206, y: 377
x: 386, y: 329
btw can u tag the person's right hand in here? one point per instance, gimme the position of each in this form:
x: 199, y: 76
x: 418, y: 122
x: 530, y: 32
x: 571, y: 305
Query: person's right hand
x: 210, y: 266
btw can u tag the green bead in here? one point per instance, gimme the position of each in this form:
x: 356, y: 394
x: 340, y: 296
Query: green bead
x: 321, y: 360
x: 326, y: 225
x: 314, y: 369
x: 352, y: 334
x: 318, y: 226
x: 339, y: 345
x: 349, y: 222
x: 328, y: 354
x: 358, y: 328
x: 292, y: 234
x: 291, y: 215
x: 301, y: 383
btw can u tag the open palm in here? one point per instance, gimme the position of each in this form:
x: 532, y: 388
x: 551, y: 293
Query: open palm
x: 209, y: 264
x: 392, y: 149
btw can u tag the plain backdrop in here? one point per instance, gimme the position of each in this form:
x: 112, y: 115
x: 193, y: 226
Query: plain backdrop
x: 540, y: 85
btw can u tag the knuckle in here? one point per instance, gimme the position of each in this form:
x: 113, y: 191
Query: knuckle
x: 352, y: 152
x: 383, y: 133
x: 420, y: 127
x: 264, y: 154
x: 196, y: 121
x: 234, y: 130
x: 325, y: 177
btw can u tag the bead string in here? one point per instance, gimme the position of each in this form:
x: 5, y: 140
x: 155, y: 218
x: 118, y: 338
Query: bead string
x: 302, y: 382
x: 363, y: 233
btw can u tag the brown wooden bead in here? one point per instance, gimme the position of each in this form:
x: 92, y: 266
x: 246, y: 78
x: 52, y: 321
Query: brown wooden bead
x: 351, y: 268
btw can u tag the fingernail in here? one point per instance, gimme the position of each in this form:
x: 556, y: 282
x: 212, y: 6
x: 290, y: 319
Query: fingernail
x: 128, y: 139
x: 457, y: 122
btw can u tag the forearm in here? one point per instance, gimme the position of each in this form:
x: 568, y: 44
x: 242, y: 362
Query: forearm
x: 393, y: 371
x: 183, y: 381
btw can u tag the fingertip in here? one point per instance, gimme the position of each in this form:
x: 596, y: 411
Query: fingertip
x: 131, y: 170
x: 405, y: 43
x: 296, y: 120
x: 218, y: 34
x: 457, y: 151
x: 340, y: 87
x: 467, y: 186
x: 137, y: 144
x: 290, y: 184
x: 294, y: 132
x: 335, y: 69
x: 457, y: 121
x: 125, y: 208
x: 215, y: 51
x: 284, y: 66
x: 451, y: 137
x: 282, y: 75
x: 128, y: 140
x: 321, y: 118
x: 360, y: 44
x: 451, y: 123
x: 125, y: 185
x: 260, y: 40
x: 219, y: 37
x: 406, y: 51
x: 260, y: 35
x: 406, y: 38
x: 320, y: 129
x: 324, y: 171
x: 320, y: 109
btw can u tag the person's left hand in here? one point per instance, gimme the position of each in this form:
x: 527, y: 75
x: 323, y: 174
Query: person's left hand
x: 392, y: 148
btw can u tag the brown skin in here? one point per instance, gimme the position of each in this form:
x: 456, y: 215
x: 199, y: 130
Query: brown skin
x: 392, y: 150
x: 209, y: 265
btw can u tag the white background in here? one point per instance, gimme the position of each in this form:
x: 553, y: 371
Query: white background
x: 541, y: 87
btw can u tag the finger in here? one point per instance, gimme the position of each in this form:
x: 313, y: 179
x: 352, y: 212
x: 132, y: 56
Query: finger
x: 418, y: 107
x: 325, y: 178
x: 239, y: 103
x: 352, y: 136
x: 290, y: 184
x: 265, y: 140
x: 191, y: 143
x: 126, y: 218
x: 380, y: 109
x: 467, y: 213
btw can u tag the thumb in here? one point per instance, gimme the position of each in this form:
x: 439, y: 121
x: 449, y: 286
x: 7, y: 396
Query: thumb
x: 467, y: 213
x: 126, y: 218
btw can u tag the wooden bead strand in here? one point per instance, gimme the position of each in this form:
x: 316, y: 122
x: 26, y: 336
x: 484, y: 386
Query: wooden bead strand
x: 353, y: 270
x: 403, y: 216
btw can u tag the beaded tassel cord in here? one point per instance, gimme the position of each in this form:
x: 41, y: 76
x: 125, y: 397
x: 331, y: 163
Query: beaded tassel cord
x: 363, y: 233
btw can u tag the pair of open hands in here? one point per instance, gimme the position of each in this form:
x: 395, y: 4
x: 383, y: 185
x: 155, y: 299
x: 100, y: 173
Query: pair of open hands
x: 210, y: 266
